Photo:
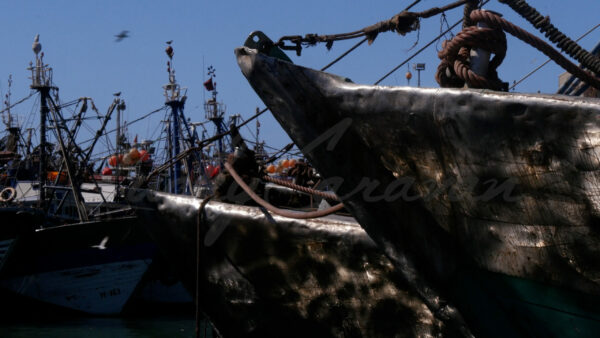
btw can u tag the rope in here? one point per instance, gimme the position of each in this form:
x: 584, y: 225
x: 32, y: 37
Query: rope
x: 417, y: 53
x: 16, y: 103
x: 455, y: 57
x: 198, y: 258
x: 547, y: 61
x: 402, y: 23
x: 275, y: 210
x: 344, y: 54
x: 201, y: 145
x: 563, y: 42
x: 279, y: 153
x: 454, y: 54
x: 469, y: 7
x: 360, y: 42
x: 301, y: 188
x: 125, y: 125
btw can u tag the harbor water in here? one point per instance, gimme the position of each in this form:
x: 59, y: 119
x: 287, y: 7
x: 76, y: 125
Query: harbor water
x: 22, y: 318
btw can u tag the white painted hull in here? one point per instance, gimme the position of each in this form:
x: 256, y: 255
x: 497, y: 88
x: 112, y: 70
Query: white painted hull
x: 97, y: 289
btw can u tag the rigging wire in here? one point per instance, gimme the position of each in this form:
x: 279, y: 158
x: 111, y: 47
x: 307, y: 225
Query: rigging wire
x: 131, y: 122
x: 422, y: 49
x: 360, y: 43
x: 18, y: 102
x: 547, y: 61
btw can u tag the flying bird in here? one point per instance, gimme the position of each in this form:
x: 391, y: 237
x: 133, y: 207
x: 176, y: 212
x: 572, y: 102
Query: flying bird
x: 102, y: 245
x: 169, y: 42
x: 121, y: 36
x: 37, y: 46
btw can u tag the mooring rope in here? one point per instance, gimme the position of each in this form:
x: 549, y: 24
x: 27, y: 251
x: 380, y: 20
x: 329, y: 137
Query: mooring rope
x: 453, y: 54
x: 360, y: 42
x: 469, y: 7
x: 402, y: 23
x: 300, y: 188
x: 516, y: 83
x: 275, y: 210
x: 587, y: 59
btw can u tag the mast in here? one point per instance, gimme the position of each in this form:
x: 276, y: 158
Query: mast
x: 215, y: 111
x: 41, y: 77
x: 175, y: 100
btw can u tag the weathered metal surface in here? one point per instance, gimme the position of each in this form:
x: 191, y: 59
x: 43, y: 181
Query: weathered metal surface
x: 451, y: 180
x: 270, y: 276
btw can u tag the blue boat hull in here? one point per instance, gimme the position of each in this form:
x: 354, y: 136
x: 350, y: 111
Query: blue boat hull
x: 92, y: 267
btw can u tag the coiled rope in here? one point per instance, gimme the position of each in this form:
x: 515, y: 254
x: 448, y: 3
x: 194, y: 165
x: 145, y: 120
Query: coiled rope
x: 454, y: 70
x: 275, y: 210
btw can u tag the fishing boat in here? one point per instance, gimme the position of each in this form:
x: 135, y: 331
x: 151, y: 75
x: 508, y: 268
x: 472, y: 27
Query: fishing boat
x: 490, y: 195
x: 257, y: 274
x: 58, y: 247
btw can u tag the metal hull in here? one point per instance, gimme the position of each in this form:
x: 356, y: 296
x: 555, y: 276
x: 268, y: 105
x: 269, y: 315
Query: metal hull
x: 91, y: 267
x: 457, y: 182
x: 14, y: 223
x: 96, y: 289
x: 268, y: 276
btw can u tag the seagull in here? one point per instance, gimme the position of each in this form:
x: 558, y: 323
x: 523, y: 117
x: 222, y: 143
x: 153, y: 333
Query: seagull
x: 37, y: 46
x: 102, y: 244
x: 121, y: 36
x: 169, y: 42
x: 117, y: 94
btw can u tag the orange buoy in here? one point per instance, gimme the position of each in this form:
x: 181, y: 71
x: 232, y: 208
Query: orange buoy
x: 106, y: 171
x: 52, y: 175
x: 285, y: 163
x: 144, y: 156
x: 112, y: 161
x: 127, y: 159
x: 134, y: 154
x: 408, y: 75
x: 271, y: 168
x: 291, y: 163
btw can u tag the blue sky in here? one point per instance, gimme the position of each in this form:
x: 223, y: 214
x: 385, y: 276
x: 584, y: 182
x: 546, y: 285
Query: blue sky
x: 78, y: 41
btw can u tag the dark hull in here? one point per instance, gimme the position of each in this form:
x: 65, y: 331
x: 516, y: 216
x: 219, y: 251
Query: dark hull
x: 92, y: 267
x: 471, y: 187
x: 15, y: 222
x: 269, y: 276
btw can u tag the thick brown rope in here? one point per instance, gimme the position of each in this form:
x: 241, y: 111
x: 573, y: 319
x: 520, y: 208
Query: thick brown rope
x: 587, y: 59
x: 454, y: 54
x: 402, y: 23
x: 275, y: 210
x: 469, y: 7
x: 297, y: 187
